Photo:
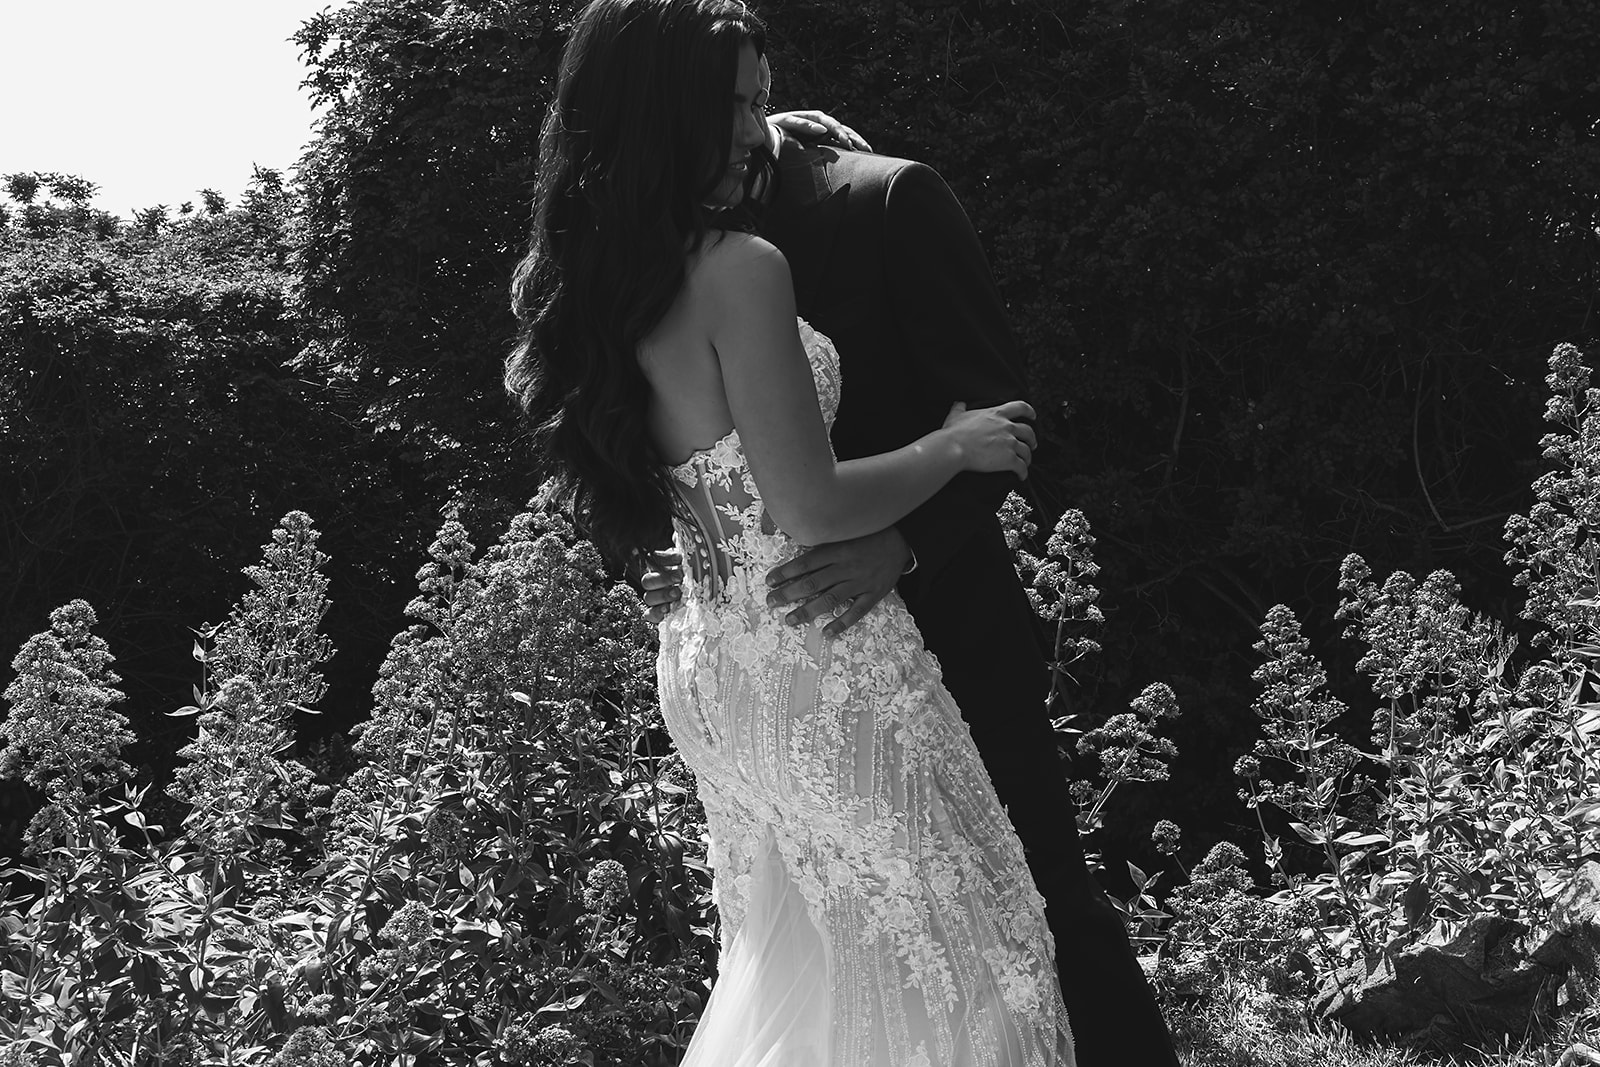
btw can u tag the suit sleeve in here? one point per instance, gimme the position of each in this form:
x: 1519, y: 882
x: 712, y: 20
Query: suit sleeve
x: 949, y: 310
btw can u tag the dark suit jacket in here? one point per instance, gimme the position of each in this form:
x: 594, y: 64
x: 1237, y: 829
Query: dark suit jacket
x: 886, y: 263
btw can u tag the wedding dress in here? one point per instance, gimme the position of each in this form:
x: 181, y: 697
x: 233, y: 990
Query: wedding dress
x: 876, y: 907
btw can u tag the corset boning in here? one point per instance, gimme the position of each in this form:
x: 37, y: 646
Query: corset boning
x: 722, y: 526
x: 720, y: 519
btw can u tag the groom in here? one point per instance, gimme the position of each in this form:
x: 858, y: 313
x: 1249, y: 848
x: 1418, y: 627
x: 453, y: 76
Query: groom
x: 886, y: 263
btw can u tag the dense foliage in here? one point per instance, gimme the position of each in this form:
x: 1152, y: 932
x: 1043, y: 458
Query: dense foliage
x: 417, y: 190
x: 151, y: 413
x: 508, y: 864
x: 1284, y: 274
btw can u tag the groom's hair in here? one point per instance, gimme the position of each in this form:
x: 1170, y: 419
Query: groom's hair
x: 637, y: 138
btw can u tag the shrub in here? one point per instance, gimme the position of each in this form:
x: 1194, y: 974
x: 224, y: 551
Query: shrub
x: 62, y: 736
x: 267, y: 654
x: 150, y: 415
x: 1223, y: 932
x: 512, y: 871
x: 1477, y: 791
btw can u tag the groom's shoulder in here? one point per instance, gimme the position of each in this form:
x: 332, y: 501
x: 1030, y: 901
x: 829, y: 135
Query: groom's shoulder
x: 859, y: 170
x: 868, y: 169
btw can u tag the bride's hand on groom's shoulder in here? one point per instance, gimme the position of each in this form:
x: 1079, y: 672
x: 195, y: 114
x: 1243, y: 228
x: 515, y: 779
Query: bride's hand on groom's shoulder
x: 819, y: 125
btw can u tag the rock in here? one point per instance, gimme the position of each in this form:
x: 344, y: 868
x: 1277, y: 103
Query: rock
x: 1495, y: 976
x: 1481, y: 981
x: 1571, y: 939
x: 1579, y: 1055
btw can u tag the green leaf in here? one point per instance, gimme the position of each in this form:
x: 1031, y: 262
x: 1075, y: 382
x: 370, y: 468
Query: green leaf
x: 1140, y: 879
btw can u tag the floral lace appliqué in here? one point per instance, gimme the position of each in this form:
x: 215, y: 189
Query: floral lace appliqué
x: 848, y: 757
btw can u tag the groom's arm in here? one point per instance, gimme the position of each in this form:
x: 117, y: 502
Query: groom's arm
x: 947, y: 307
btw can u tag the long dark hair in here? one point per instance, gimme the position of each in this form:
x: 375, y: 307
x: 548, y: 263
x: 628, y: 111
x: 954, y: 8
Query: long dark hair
x: 637, y: 138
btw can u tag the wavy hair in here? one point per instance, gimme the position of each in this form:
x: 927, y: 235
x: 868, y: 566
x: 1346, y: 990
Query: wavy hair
x: 637, y: 138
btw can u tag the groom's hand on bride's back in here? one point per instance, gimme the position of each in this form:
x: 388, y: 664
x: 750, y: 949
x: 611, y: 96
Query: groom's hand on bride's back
x: 660, y: 583
x: 856, y: 573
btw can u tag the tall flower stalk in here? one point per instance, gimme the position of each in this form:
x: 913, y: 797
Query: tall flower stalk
x: 63, y: 735
x: 262, y: 666
x: 1060, y: 585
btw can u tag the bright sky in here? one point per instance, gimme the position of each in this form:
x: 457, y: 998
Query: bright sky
x: 153, y: 99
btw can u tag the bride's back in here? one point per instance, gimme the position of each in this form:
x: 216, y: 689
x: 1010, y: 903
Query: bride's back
x: 688, y: 408
x: 721, y: 520
x: 692, y: 426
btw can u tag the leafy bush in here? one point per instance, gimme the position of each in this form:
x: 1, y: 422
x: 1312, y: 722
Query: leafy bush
x: 152, y: 419
x: 1477, y: 792
x: 417, y: 191
x: 1283, y: 275
x: 508, y: 866
x: 1223, y: 932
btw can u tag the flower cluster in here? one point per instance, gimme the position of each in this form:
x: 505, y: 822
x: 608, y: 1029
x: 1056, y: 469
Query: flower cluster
x: 310, y: 1046
x: 446, y: 835
x: 523, y: 1041
x: 265, y: 661
x: 1551, y: 545
x: 606, y: 888
x: 1126, y: 743
x: 235, y: 780
x: 407, y: 932
x: 1016, y: 522
x: 1296, y: 714
x: 62, y: 734
x: 1059, y: 584
x: 1127, y: 749
x: 410, y: 927
x: 1223, y: 931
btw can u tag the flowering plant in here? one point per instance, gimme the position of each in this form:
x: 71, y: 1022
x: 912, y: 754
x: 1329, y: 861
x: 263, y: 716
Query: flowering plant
x: 1478, y: 792
x: 512, y: 872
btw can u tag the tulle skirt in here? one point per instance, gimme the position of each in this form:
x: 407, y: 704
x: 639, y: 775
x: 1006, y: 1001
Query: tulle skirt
x: 771, y: 1003
x: 877, y: 907
x: 770, y: 1006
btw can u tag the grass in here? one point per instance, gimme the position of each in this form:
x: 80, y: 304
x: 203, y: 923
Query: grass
x: 1253, y: 1031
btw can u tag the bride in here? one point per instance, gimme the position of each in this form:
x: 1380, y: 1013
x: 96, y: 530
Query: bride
x: 876, y: 907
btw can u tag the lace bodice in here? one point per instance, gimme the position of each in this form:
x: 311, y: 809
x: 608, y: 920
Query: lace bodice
x: 723, y: 520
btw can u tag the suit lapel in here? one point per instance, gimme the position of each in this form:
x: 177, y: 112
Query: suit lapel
x: 804, y: 220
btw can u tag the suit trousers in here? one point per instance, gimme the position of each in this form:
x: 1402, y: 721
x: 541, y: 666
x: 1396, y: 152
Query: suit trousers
x: 993, y: 667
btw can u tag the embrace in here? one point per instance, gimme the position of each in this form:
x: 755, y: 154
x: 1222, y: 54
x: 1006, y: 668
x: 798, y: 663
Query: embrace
x: 794, y: 358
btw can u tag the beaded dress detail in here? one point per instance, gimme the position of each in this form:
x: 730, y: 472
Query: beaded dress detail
x: 876, y: 906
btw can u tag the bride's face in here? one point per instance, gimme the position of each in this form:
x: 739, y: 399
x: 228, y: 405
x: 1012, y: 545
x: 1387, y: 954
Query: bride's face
x: 751, y: 87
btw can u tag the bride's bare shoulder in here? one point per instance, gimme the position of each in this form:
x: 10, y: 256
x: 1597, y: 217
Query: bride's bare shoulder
x: 731, y: 274
x: 739, y: 273
x: 730, y: 256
